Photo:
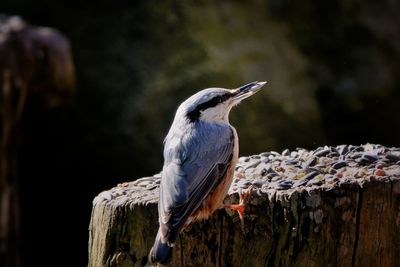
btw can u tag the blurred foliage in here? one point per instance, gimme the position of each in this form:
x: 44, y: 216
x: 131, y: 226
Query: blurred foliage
x: 353, y: 48
x: 327, y: 64
x: 332, y: 70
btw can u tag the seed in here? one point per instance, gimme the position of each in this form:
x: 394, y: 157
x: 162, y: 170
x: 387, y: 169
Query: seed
x: 310, y: 175
x: 265, y: 154
x: 322, y: 152
x: 300, y: 182
x: 393, y: 157
x: 339, y: 164
x: 315, y: 181
x: 333, y: 154
x: 292, y: 162
x: 285, y: 184
x: 380, y: 172
x: 371, y: 157
x: 310, y: 162
x: 243, y: 183
x: 257, y: 182
x: 343, y: 149
x: 286, y: 152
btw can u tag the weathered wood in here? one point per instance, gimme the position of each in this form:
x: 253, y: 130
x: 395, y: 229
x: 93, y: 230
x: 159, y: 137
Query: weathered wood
x: 350, y: 221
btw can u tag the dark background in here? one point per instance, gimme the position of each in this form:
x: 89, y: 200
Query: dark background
x: 333, y: 77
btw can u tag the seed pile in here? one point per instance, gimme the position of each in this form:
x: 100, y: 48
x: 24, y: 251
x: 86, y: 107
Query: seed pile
x: 326, y: 167
x: 274, y: 173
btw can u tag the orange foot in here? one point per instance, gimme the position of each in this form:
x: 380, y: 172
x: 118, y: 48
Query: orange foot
x: 244, y: 197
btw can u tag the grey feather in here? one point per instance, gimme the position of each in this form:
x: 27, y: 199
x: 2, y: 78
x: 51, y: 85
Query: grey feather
x: 194, y: 162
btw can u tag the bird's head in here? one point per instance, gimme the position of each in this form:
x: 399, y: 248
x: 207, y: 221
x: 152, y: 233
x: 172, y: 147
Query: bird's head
x: 214, y: 104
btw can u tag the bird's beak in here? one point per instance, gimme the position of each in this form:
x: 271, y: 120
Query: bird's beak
x: 247, y: 90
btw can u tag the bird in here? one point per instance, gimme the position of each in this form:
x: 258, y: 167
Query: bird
x: 200, y: 153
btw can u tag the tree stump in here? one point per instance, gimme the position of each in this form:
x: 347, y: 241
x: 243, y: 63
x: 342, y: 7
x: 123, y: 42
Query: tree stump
x: 334, y: 206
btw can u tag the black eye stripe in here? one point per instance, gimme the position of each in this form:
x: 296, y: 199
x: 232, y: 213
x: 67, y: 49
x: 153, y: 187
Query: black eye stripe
x: 213, y: 101
x: 195, y: 113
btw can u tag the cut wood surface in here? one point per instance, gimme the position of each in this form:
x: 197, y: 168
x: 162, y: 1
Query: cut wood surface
x: 334, y: 206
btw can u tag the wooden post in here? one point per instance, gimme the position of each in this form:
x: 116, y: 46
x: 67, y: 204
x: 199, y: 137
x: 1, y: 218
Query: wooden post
x: 34, y: 61
x: 349, y: 219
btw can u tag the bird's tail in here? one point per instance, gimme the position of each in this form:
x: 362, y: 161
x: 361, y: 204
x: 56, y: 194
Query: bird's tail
x: 160, y: 252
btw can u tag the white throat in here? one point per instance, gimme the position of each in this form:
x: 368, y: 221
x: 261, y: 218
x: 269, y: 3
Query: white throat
x: 217, y: 114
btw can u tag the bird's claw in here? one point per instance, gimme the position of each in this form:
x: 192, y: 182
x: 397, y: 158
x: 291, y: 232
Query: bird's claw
x: 244, y: 197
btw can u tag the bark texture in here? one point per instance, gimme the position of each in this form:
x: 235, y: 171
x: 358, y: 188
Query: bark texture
x: 355, y: 222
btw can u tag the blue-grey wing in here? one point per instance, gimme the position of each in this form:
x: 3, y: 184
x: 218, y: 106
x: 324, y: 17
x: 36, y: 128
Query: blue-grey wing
x: 195, y: 163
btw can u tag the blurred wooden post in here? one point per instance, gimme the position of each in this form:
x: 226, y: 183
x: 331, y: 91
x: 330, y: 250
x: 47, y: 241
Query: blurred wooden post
x: 343, y: 225
x: 26, y: 53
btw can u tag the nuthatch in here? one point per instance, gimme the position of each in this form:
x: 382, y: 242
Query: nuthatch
x: 200, y: 154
